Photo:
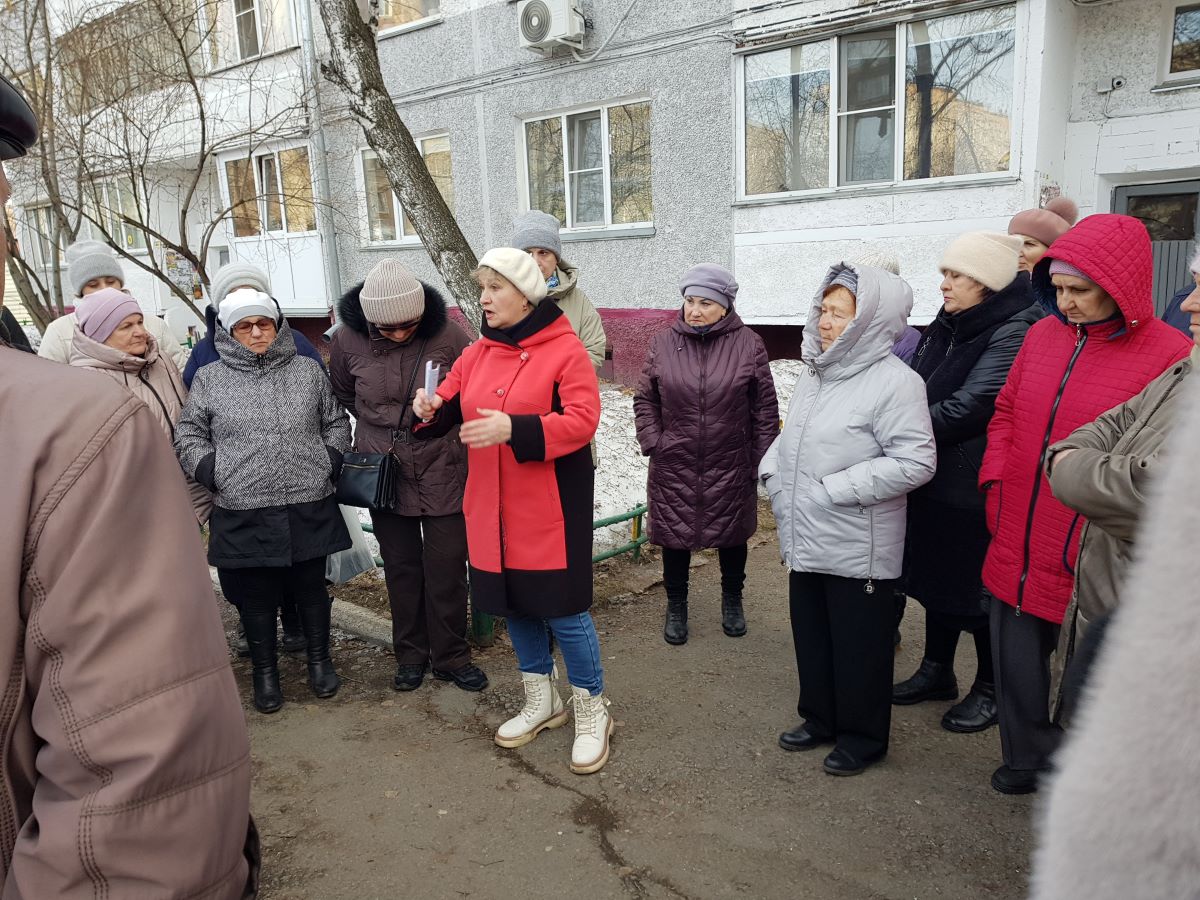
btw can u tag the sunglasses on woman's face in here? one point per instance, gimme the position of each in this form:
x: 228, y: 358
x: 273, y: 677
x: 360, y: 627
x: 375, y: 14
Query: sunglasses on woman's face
x: 403, y: 326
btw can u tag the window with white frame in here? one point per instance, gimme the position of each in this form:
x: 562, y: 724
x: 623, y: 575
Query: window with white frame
x: 40, y: 222
x: 1183, y: 59
x: 398, y: 13
x: 592, y: 168
x: 386, y: 219
x: 113, y: 210
x: 930, y: 98
x: 245, y: 29
x: 271, y: 192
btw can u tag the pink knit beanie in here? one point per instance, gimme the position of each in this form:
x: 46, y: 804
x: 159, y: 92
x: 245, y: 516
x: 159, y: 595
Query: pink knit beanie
x: 101, y: 312
x: 1047, y: 224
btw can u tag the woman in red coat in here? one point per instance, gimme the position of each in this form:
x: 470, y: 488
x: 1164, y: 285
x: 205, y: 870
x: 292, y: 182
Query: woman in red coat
x: 529, y: 402
x: 1099, y: 346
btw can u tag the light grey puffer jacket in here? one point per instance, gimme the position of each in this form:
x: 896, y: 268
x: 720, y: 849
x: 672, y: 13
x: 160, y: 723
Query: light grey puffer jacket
x: 857, y: 439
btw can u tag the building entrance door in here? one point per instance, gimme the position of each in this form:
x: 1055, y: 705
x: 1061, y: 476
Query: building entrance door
x: 1171, y: 213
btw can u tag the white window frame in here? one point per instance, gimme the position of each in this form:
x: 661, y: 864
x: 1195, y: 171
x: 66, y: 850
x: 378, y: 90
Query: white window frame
x: 414, y: 25
x: 260, y: 200
x: 899, y: 116
x: 105, y: 190
x: 1167, y: 30
x: 40, y: 238
x: 360, y: 174
x: 562, y: 115
x: 214, y: 39
x: 256, y: 12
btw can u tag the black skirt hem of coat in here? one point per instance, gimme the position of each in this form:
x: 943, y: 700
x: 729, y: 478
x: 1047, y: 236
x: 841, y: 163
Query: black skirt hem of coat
x: 276, y: 536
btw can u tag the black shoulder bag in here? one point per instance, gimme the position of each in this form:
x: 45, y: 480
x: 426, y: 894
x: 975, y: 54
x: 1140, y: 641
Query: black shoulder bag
x: 370, y: 480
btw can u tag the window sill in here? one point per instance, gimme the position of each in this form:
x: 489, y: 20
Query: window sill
x: 607, y: 233
x: 1180, y: 84
x: 228, y: 67
x: 876, y: 190
x: 406, y: 244
x: 427, y: 22
x: 274, y: 235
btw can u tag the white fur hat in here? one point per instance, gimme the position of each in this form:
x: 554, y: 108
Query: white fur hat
x: 991, y: 258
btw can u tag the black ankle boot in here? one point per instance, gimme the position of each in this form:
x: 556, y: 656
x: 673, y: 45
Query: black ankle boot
x: 975, y: 712
x: 322, y: 678
x: 675, y: 630
x: 933, y: 681
x: 260, y: 635
x: 293, y: 632
x: 733, y: 618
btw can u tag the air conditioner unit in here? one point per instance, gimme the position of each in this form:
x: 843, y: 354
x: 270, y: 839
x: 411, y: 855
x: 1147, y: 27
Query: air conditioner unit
x: 547, y: 23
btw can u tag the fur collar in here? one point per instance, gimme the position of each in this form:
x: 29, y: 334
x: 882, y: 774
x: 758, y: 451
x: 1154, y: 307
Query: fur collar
x: 350, y: 313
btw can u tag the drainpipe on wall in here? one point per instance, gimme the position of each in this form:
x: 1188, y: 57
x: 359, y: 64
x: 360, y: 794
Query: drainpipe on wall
x: 310, y: 75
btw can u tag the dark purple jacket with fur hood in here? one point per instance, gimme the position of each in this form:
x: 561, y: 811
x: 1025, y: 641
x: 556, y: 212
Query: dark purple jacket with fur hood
x: 706, y: 413
x: 373, y: 378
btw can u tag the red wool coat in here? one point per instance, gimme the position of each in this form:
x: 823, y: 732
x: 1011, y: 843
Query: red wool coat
x: 1064, y: 377
x: 528, y: 503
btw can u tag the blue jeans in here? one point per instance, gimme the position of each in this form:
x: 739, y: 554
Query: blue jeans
x: 576, y: 636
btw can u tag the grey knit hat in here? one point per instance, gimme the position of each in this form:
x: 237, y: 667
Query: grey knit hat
x: 536, y: 229
x: 235, y: 275
x: 708, y: 280
x: 391, y: 294
x: 91, y: 259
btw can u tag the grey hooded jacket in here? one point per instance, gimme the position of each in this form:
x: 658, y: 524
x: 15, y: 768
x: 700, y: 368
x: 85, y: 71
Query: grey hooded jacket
x: 268, y: 421
x: 856, y: 441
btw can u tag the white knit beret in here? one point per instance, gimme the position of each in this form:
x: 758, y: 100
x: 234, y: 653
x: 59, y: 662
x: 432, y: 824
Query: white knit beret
x: 991, y: 258
x: 519, y: 268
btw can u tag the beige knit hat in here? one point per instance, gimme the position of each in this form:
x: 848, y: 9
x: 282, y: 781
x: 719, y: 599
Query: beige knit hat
x: 989, y: 257
x: 519, y: 268
x: 391, y: 294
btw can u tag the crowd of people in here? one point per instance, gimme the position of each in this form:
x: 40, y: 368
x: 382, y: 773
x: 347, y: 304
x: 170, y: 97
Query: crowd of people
x: 994, y: 467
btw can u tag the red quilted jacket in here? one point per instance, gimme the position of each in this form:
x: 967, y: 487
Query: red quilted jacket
x: 1064, y: 376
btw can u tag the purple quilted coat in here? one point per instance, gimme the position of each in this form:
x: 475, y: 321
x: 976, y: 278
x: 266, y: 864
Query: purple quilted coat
x: 706, y: 413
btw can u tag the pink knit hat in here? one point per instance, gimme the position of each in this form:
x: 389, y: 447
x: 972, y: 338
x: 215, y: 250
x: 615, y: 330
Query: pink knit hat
x: 1047, y: 224
x: 100, y: 313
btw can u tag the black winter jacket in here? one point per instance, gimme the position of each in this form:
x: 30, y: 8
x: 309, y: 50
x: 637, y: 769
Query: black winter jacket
x: 964, y: 359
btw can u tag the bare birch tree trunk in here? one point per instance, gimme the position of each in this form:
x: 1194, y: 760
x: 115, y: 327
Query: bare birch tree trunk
x: 354, y: 67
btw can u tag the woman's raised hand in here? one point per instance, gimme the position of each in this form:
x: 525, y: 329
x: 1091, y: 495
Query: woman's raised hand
x: 426, y: 407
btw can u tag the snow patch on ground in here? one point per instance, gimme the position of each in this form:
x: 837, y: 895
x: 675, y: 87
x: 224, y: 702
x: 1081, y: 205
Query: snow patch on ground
x: 621, y: 468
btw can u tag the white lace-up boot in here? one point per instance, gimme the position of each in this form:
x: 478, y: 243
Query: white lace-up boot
x: 593, y: 725
x: 543, y: 709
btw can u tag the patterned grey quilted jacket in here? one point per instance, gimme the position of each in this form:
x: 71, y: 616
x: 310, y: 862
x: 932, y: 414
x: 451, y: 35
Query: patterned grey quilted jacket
x: 260, y: 428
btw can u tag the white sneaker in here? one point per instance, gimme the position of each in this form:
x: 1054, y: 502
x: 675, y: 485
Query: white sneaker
x: 543, y: 709
x: 593, y: 725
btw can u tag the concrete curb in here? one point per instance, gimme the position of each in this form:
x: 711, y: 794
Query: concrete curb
x: 354, y: 620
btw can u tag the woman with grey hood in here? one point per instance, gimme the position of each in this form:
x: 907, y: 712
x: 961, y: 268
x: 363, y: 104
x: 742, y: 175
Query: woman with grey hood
x: 857, y: 440
x: 263, y: 431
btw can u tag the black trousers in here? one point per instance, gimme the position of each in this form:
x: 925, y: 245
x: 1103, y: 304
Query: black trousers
x: 425, y: 566
x: 843, y: 639
x: 942, y: 631
x: 259, y: 591
x: 733, y: 570
x: 1021, y: 646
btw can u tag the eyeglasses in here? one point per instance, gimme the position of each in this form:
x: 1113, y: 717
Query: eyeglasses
x: 403, y: 326
x: 246, y: 326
